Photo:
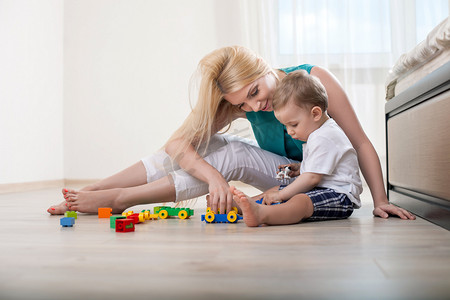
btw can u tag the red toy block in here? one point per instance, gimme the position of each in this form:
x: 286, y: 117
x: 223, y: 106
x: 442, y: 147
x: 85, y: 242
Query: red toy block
x: 134, y: 218
x: 124, y: 225
x: 104, y: 212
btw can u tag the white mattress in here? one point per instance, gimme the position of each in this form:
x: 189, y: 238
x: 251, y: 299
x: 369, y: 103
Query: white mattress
x: 423, y: 59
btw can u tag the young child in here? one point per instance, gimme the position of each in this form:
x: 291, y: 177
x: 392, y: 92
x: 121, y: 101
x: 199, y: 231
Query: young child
x: 328, y: 185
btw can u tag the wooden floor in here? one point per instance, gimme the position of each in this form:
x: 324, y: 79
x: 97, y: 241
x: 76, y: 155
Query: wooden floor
x: 359, y: 258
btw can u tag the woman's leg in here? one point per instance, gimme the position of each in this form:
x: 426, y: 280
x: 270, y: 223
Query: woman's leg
x: 147, y: 176
x: 131, y: 176
x: 119, y: 199
x: 237, y: 161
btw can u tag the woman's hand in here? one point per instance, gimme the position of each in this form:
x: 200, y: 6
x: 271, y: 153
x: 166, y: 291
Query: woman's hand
x: 385, y: 210
x: 272, y: 197
x: 220, y: 196
x: 295, y: 169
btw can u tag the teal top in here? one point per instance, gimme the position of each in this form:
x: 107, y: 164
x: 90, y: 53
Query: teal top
x: 270, y: 134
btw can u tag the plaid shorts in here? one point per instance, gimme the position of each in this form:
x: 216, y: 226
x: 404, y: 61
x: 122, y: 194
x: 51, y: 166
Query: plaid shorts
x: 328, y: 205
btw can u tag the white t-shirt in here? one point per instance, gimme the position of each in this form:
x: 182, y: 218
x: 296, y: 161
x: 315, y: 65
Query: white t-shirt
x: 328, y: 151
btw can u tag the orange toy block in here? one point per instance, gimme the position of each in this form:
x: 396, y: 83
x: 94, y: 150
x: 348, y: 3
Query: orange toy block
x: 104, y: 212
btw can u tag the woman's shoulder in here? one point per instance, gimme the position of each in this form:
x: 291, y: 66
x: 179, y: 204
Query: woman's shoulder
x: 239, y: 114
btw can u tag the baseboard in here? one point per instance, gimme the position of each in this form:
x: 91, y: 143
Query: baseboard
x: 29, y: 186
x: 46, y: 184
x: 431, y: 211
x: 79, y: 182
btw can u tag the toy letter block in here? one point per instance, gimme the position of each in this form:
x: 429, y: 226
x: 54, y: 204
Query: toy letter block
x: 104, y: 212
x: 67, y: 221
x: 112, y: 221
x: 124, y: 225
x: 70, y: 214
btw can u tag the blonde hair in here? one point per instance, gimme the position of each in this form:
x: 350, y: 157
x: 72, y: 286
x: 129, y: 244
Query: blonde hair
x: 223, y: 71
x: 304, y: 89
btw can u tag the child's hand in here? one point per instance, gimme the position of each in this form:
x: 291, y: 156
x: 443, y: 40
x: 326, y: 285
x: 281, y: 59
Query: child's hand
x: 272, y: 197
x: 295, y: 169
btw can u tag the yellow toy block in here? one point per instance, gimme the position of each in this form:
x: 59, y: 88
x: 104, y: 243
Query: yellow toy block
x: 127, y: 213
x: 153, y: 216
x: 142, y: 218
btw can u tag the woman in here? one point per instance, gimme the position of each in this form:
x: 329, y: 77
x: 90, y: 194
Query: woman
x: 235, y: 83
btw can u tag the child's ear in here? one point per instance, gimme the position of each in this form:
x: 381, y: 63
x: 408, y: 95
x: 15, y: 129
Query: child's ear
x: 316, y: 112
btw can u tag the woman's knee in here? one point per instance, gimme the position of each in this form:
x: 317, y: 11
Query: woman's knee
x: 229, y: 156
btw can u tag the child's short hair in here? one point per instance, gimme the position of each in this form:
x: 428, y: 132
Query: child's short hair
x: 304, y: 89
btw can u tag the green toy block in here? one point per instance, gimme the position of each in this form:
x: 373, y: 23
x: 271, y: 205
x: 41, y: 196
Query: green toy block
x: 112, y: 221
x: 172, y: 211
x: 70, y: 214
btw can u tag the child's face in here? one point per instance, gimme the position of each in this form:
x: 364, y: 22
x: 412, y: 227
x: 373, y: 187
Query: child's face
x: 256, y: 96
x: 300, y: 122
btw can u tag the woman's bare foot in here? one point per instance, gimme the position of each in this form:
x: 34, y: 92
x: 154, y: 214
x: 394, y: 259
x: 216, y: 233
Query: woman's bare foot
x: 90, y: 201
x: 61, y: 208
x: 251, y: 211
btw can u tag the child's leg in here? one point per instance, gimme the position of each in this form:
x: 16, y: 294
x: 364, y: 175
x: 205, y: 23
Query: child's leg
x: 293, y: 211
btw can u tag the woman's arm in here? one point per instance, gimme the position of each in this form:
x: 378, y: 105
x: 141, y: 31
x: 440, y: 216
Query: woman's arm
x: 195, y: 165
x: 190, y: 161
x: 342, y: 112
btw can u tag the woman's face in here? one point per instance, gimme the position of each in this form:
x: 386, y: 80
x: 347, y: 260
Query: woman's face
x: 256, y: 96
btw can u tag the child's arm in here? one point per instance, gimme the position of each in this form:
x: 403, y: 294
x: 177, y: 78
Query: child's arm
x: 295, y: 169
x: 303, y: 183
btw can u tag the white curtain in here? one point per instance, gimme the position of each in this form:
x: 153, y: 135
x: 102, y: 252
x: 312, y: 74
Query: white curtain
x: 357, y: 40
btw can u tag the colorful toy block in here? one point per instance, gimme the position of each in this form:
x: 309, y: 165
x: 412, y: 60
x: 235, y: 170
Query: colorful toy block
x: 167, y: 211
x: 67, y: 221
x: 153, y: 216
x: 143, y: 217
x: 134, y: 218
x: 124, y: 225
x: 112, y: 221
x: 260, y: 202
x: 127, y: 213
x: 70, y: 214
x: 104, y: 212
x: 212, y: 217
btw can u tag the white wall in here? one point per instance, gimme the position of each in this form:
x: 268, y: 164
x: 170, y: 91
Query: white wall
x: 89, y: 87
x: 31, y: 90
x: 127, y: 66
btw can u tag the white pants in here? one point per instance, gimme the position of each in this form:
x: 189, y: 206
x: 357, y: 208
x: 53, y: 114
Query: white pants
x: 236, y: 158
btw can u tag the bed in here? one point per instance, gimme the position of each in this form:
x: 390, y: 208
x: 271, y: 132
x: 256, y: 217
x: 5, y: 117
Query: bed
x: 418, y: 128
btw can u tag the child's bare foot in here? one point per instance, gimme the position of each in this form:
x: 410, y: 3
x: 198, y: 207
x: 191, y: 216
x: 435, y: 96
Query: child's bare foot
x: 250, y: 210
x: 90, y: 201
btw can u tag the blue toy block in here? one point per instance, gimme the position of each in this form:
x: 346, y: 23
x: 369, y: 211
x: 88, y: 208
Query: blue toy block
x: 211, y: 217
x: 67, y: 221
x: 275, y: 203
x: 221, y: 218
x: 260, y: 202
